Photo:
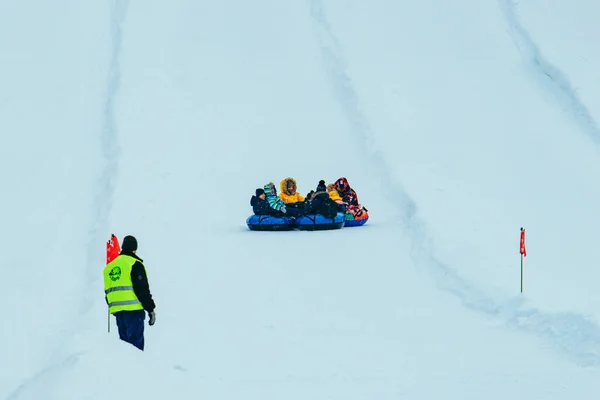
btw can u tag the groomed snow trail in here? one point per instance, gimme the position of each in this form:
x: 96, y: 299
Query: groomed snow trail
x: 100, y: 213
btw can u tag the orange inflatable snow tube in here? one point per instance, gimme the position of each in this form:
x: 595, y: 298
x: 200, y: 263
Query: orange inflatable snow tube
x: 356, y: 216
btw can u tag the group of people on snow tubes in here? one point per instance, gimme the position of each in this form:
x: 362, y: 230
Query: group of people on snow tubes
x: 326, y: 200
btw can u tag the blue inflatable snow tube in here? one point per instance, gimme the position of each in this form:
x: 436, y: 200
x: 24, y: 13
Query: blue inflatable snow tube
x: 269, y: 223
x: 317, y: 222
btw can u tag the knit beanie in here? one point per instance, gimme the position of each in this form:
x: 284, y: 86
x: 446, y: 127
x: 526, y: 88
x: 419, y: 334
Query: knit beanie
x: 129, y: 244
x: 321, y: 186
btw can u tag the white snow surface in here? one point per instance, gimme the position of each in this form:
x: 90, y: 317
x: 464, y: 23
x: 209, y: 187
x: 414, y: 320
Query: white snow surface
x: 456, y: 123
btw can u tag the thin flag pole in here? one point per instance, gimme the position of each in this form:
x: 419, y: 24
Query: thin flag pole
x: 109, y: 245
x: 523, y: 251
x: 521, y: 273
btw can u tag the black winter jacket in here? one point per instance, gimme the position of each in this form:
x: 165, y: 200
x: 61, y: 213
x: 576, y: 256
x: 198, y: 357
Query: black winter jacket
x: 320, y: 202
x: 139, y: 280
x: 262, y: 207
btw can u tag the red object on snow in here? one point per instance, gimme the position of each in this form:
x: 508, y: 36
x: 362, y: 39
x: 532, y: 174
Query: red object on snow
x: 522, y: 248
x: 113, y: 248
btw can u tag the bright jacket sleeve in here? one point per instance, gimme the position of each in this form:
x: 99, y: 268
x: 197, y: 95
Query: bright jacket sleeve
x: 294, y: 198
x: 335, y: 196
x: 275, y: 202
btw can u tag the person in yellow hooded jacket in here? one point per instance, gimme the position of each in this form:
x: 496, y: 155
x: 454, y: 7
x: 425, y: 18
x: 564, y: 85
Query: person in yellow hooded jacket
x: 288, y: 191
x: 333, y: 193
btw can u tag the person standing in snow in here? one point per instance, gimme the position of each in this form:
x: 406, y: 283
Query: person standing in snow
x: 128, y: 293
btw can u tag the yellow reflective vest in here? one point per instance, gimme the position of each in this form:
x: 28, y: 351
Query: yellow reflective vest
x: 118, y: 285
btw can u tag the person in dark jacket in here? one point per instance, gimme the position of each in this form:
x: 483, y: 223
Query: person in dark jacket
x: 349, y: 197
x: 321, y: 188
x: 321, y: 203
x: 130, y: 314
x: 260, y: 205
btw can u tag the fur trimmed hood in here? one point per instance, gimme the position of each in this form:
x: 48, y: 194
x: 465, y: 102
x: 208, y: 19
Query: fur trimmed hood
x: 284, y: 184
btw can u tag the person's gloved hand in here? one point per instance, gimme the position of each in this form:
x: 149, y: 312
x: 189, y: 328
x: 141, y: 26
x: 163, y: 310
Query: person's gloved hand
x: 152, y: 316
x: 283, y: 209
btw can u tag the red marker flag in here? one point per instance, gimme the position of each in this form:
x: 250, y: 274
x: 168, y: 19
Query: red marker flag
x: 112, y: 248
x: 522, y: 248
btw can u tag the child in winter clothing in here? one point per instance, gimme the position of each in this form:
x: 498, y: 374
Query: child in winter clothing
x: 333, y: 193
x: 261, y: 206
x: 321, y: 202
x: 274, y: 201
x: 335, y: 196
x: 288, y: 191
x: 294, y: 210
x: 321, y: 188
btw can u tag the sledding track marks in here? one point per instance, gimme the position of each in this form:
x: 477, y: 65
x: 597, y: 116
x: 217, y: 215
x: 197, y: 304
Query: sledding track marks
x: 109, y: 146
x: 572, y: 334
x: 100, y: 212
x: 348, y: 99
x: 550, y: 77
x: 109, y: 140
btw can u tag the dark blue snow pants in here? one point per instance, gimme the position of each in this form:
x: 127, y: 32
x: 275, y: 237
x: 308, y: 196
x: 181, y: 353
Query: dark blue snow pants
x: 131, y: 327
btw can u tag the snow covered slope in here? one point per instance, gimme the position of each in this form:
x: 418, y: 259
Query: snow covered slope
x: 459, y: 119
x: 162, y: 118
x: 53, y: 63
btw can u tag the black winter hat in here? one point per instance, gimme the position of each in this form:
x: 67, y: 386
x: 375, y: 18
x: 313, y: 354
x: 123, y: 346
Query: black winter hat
x: 321, y: 186
x: 129, y: 244
x: 259, y: 192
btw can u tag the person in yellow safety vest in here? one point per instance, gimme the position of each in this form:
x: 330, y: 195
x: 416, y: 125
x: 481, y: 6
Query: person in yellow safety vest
x: 127, y: 293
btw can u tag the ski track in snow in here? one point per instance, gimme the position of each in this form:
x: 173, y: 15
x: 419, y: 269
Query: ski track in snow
x: 109, y: 142
x: 551, y: 77
x: 570, y: 333
x: 347, y: 98
x: 105, y: 187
